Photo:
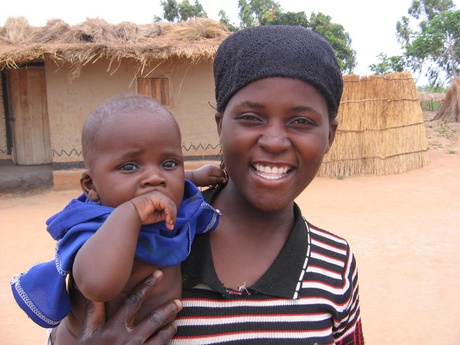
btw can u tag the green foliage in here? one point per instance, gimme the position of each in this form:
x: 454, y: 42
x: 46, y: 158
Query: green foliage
x: 170, y: 10
x: 255, y: 12
x: 432, y: 89
x: 434, y: 45
x: 288, y: 18
x: 268, y: 12
x: 339, y: 39
x: 388, y: 64
x: 223, y: 18
x: 430, y: 105
x: 174, y: 11
x: 429, y: 8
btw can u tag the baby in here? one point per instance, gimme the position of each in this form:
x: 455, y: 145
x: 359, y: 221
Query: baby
x: 136, y: 214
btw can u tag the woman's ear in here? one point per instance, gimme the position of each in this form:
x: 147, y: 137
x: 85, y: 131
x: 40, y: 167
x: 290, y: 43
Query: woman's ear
x: 332, y: 130
x: 88, y: 187
x: 218, y: 117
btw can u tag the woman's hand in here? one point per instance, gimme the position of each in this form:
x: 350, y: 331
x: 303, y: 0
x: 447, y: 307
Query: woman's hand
x: 157, y: 328
x: 207, y: 175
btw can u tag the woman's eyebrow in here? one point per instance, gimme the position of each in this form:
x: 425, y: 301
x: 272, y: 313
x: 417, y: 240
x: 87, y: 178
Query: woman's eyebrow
x: 303, y: 108
x: 251, y: 104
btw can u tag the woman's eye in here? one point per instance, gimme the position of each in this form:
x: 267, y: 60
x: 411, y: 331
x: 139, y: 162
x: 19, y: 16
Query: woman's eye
x: 248, y: 117
x: 128, y: 167
x: 303, y: 121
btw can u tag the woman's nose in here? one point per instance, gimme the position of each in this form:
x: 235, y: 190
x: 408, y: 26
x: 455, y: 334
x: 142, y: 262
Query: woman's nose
x: 274, y: 139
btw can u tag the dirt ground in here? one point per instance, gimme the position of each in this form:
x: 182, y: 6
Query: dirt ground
x: 404, y: 230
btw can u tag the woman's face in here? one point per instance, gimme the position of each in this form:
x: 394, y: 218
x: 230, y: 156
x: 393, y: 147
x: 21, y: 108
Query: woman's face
x: 274, y: 134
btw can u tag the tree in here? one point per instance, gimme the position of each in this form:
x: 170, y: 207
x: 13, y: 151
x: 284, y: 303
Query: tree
x: 388, y: 64
x: 223, y: 18
x: 320, y: 23
x: 174, y: 11
x: 433, y: 43
x: 339, y: 39
x: 264, y: 12
x: 255, y: 12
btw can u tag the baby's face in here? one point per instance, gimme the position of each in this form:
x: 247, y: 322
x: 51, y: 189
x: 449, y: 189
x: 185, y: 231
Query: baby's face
x: 137, y: 154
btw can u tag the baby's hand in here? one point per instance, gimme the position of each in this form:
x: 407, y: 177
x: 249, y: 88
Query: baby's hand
x: 154, y: 207
x: 207, y: 175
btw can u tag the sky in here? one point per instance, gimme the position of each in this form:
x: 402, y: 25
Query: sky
x: 371, y: 24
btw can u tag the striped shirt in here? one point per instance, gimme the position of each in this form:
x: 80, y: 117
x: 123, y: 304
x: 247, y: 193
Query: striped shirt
x: 308, y: 296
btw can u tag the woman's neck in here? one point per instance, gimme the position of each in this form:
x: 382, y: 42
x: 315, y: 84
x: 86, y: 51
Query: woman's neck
x: 247, y: 240
x: 242, y: 215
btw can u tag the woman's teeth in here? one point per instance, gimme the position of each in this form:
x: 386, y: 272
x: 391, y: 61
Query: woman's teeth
x: 271, y: 173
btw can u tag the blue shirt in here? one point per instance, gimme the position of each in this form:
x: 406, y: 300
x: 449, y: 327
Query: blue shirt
x: 41, y: 291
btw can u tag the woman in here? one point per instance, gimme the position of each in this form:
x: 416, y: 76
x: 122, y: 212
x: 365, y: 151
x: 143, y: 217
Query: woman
x: 265, y: 275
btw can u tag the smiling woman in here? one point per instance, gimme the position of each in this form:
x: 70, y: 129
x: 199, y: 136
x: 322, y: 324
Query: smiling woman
x: 277, y: 134
x: 276, y: 105
x: 265, y: 275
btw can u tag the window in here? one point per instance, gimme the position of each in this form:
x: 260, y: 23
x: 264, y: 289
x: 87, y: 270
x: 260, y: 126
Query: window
x: 157, y: 88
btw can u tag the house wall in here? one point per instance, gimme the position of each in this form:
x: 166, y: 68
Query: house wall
x: 3, y: 143
x: 70, y: 102
x: 192, y: 105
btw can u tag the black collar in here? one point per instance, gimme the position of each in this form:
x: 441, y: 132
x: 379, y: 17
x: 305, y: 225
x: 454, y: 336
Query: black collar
x: 280, y: 280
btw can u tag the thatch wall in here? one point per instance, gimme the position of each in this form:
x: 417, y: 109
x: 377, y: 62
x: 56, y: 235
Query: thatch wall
x: 450, y: 108
x: 381, y: 129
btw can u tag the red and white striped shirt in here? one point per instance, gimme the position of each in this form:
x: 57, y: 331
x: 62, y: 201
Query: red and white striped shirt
x: 308, y: 296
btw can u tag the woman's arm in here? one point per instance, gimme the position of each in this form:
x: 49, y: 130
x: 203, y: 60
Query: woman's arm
x: 207, y: 175
x: 157, y: 328
x: 103, y: 264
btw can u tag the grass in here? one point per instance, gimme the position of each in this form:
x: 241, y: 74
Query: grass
x: 446, y: 131
x: 430, y: 105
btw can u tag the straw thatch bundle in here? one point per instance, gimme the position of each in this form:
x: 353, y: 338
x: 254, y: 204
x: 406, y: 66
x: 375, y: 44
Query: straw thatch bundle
x: 381, y: 129
x: 195, y: 40
x: 450, y: 108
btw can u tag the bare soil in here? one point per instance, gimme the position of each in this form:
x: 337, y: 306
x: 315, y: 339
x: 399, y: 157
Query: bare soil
x: 444, y: 137
x: 404, y: 230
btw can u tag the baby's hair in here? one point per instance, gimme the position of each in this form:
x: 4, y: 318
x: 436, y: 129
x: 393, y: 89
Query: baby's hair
x: 121, y: 104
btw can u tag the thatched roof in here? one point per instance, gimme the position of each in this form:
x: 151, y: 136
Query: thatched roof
x: 195, y: 40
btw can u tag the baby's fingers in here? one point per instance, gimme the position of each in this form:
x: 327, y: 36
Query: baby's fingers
x: 170, y: 217
x: 168, y: 208
x: 165, y: 207
x: 155, y: 207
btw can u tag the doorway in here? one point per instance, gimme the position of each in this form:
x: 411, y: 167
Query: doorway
x: 29, y: 119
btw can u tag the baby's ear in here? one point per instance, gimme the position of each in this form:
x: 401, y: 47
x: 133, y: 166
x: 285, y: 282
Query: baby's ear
x: 88, y: 187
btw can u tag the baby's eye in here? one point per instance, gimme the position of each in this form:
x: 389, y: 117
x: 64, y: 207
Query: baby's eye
x: 169, y: 164
x: 128, y: 167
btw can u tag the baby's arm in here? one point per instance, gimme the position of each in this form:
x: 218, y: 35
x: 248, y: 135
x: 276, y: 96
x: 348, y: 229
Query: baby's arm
x: 103, y: 264
x: 206, y: 175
